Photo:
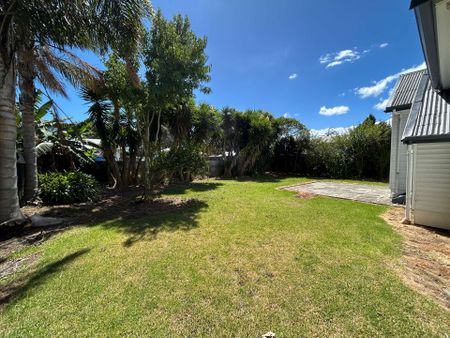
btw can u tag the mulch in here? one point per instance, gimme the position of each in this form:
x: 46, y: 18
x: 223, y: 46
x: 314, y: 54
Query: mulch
x: 425, y: 262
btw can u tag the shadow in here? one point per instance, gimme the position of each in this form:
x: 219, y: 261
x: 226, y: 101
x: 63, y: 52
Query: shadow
x: 142, y: 220
x: 182, y: 218
x: 266, y: 178
x: 20, y: 287
x: 178, y: 189
x: 115, y: 205
x: 435, y: 231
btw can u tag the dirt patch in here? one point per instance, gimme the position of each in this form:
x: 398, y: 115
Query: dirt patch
x: 114, y: 205
x: 425, y: 263
x: 306, y: 195
x: 11, y: 266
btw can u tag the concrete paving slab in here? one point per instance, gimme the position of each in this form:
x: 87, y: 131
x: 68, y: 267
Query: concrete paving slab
x: 350, y: 191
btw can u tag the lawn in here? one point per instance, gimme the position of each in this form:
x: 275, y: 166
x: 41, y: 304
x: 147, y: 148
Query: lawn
x: 245, y: 260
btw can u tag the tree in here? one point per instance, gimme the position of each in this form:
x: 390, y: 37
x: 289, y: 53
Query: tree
x: 115, y: 102
x: 44, y: 63
x: 292, y: 141
x: 91, y: 24
x: 248, y: 139
x: 362, y: 153
x: 176, y: 65
x: 257, y: 134
x: 125, y: 95
x: 195, y: 131
x: 228, y: 127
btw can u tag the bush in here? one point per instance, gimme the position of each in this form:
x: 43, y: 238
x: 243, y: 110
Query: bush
x: 67, y: 188
x: 185, y: 163
x: 362, y: 153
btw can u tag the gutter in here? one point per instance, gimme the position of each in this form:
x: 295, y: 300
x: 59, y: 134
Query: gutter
x: 426, y: 23
x: 427, y: 139
x: 415, y: 3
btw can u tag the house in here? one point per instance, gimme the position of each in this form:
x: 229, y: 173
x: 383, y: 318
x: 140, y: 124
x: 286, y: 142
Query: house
x: 420, y: 107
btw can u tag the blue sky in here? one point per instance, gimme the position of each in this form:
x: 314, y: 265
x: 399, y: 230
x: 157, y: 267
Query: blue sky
x: 326, y: 63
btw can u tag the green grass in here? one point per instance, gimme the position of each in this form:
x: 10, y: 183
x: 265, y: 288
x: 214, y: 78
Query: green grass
x: 247, y: 260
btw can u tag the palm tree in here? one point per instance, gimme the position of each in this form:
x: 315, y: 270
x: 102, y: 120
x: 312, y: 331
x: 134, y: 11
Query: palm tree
x: 99, y: 115
x: 87, y: 24
x: 45, y: 64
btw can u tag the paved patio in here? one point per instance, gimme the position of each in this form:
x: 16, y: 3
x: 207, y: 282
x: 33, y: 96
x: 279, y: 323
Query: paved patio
x: 349, y: 191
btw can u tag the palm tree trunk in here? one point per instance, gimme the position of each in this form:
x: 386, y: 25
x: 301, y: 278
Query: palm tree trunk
x: 27, y: 102
x: 9, y: 198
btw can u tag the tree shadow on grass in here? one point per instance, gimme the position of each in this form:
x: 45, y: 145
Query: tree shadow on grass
x: 266, y: 178
x: 113, y: 206
x: 179, y: 189
x: 183, y: 218
x: 18, y: 288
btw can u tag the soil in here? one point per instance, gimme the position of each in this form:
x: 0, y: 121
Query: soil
x: 306, y: 195
x: 425, y: 262
x: 125, y: 204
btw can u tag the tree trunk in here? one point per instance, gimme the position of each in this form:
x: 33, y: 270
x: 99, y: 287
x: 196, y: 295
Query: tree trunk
x: 132, y: 179
x: 148, y: 159
x: 137, y: 171
x: 9, y: 198
x: 125, y: 166
x: 109, y: 154
x: 147, y: 165
x: 27, y: 102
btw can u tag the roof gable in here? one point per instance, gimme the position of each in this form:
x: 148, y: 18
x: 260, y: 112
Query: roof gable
x: 405, y: 91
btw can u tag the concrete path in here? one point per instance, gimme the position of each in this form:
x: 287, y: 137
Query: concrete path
x: 350, y: 191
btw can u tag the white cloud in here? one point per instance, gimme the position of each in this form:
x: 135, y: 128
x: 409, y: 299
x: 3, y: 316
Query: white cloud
x: 334, y: 64
x: 328, y: 132
x: 293, y: 76
x: 286, y: 115
x: 383, y: 45
x: 343, y: 56
x: 381, y: 105
x: 379, y: 87
x: 423, y: 65
x: 340, y: 110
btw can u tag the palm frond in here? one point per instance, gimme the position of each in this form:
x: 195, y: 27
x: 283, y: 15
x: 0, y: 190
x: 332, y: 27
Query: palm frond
x: 50, y: 62
x: 47, y: 77
x: 43, y: 110
x: 44, y: 148
x: 99, y: 111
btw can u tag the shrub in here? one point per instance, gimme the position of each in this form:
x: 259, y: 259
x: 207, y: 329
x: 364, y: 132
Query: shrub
x: 185, y: 163
x: 67, y: 188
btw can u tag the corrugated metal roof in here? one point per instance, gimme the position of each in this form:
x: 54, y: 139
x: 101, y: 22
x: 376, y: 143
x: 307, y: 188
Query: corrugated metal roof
x: 429, y: 120
x: 405, y: 90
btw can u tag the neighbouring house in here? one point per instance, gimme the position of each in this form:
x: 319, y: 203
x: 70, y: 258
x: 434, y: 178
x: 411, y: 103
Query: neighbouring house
x: 420, y: 107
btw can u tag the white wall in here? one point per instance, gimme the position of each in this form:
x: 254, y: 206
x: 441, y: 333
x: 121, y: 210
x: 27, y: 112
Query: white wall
x: 429, y: 191
x: 398, y: 166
